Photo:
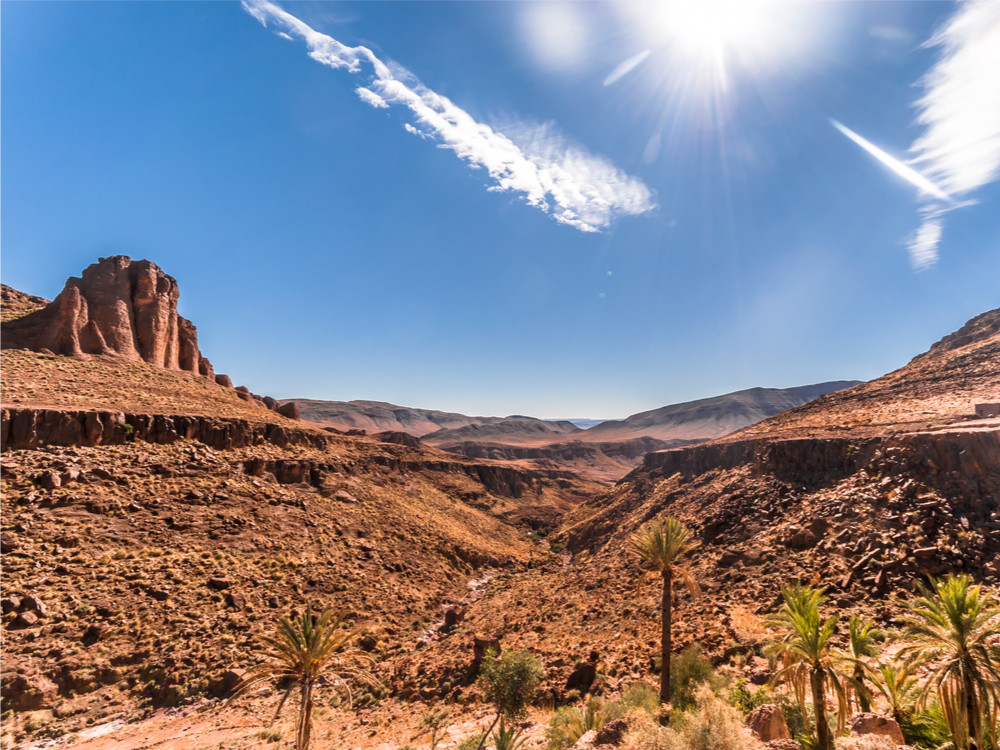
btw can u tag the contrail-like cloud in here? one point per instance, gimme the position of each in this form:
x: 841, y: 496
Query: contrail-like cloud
x: 575, y: 187
x: 960, y: 112
x: 895, y: 165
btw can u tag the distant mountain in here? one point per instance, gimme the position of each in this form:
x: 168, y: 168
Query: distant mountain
x: 604, y: 452
x: 379, y: 416
x: 710, y: 418
x: 509, y: 431
x: 583, y: 424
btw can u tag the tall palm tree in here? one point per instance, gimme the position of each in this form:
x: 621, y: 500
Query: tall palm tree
x: 861, y: 639
x: 806, y: 654
x: 298, y: 653
x: 953, y: 629
x: 663, y: 544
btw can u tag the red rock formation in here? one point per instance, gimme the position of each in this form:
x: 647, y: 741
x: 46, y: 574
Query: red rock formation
x: 118, y: 306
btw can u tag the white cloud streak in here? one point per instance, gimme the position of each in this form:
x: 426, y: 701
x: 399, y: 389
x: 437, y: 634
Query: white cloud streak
x: 414, y: 131
x: 572, y: 185
x: 370, y: 97
x: 960, y: 113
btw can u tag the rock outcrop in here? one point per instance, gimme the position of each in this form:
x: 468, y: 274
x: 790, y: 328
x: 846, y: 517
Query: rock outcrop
x: 116, y: 307
x: 767, y: 723
x: 882, y: 726
x: 33, y: 428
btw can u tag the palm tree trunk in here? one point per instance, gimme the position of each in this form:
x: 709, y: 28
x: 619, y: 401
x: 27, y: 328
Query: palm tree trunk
x: 824, y: 740
x: 665, y: 637
x: 305, y: 717
x: 863, y: 703
x: 971, y: 710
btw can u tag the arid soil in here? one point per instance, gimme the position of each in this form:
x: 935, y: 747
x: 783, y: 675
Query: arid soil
x: 140, y: 570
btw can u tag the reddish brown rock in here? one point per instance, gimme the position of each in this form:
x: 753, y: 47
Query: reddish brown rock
x: 767, y: 723
x: 22, y: 692
x: 290, y: 410
x: 883, y: 726
x: 116, y: 307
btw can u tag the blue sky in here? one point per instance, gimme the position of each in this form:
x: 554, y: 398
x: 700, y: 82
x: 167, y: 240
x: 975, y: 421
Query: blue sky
x: 558, y: 209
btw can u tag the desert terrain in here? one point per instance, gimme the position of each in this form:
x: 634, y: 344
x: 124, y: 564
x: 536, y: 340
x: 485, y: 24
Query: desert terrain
x: 157, y: 521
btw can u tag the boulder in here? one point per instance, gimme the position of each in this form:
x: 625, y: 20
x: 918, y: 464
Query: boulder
x: 877, y: 724
x: 225, y: 683
x: 224, y: 380
x: 582, y: 677
x: 23, y: 692
x: 767, y: 723
x: 289, y: 409
x: 612, y: 733
x: 32, y: 604
x: 24, y: 620
x: 452, y: 616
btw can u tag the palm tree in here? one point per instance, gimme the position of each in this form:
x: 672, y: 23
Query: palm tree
x: 898, y: 685
x: 861, y: 639
x: 807, y: 657
x: 298, y: 653
x: 952, y: 629
x: 663, y: 544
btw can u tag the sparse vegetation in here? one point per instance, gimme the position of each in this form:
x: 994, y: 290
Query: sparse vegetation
x: 663, y: 544
x: 300, y: 652
x: 509, y: 683
x: 570, y: 723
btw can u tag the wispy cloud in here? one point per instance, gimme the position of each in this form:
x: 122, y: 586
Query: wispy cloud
x: 574, y: 186
x: 960, y: 113
x: 370, y: 97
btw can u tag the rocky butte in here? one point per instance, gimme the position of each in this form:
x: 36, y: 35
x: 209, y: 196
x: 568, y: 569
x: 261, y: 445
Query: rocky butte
x: 117, y: 306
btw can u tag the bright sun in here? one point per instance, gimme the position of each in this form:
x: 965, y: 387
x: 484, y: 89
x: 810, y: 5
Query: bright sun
x: 709, y: 37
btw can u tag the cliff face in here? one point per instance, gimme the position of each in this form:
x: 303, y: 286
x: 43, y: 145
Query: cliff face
x: 117, y: 306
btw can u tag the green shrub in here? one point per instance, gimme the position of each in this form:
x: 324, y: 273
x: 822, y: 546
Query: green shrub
x: 687, y: 672
x: 510, y: 682
x: 471, y: 742
x: 570, y: 723
x: 792, y: 714
x: 746, y: 700
x: 927, y: 728
x: 642, y: 695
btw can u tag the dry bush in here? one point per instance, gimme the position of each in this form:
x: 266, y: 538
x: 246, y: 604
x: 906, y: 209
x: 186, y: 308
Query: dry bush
x: 711, y: 725
x: 865, y: 742
x: 748, y: 627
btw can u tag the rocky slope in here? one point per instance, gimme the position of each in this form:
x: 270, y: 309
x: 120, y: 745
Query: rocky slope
x: 144, y: 557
